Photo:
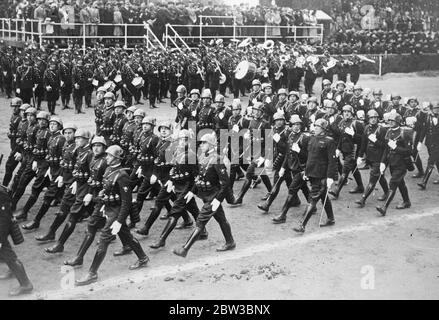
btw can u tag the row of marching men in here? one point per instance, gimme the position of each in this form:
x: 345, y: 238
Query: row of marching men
x: 95, y: 177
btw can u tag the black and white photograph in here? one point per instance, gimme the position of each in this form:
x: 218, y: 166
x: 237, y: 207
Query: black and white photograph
x: 230, y: 153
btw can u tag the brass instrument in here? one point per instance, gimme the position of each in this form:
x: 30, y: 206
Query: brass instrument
x: 331, y: 64
x: 279, y: 73
x: 223, y: 77
x: 200, y: 72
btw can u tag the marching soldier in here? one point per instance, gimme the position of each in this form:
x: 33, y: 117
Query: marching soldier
x: 65, y: 77
x: 119, y: 122
x: 117, y: 201
x: 294, y: 165
x: 88, y: 75
x: 99, y: 109
x: 79, y: 85
x: 38, y: 89
x: 280, y: 145
x: 256, y: 90
x: 206, y: 113
x: 350, y: 132
x: 14, y: 136
x: 48, y: 170
x: 97, y: 220
x: 340, y: 96
x: 321, y: 170
x: 357, y: 101
x: 109, y: 117
x: 327, y: 92
x: 293, y: 106
x: 25, y: 81
x: 128, y: 130
x: 210, y: 186
x: 268, y: 101
x: 183, y: 111
x: 222, y: 114
x: 377, y: 103
x: 397, y: 156
x: 64, y: 181
x: 371, y: 151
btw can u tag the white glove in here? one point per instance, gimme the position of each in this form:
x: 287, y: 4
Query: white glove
x: 276, y: 137
x: 419, y: 146
x: 359, y: 161
x: 382, y: 168
x: 18, y: 90
x: 337, y: 153
x: 76, y: 86
x: 247, y: 135
x: 61, y: 83
x: 392, y: 144
x: 349, y: 131
x: 194, y: 113
x: 34, y: 166
x: 48, y: 88
x: 48, y: 174
x: 73, y: 187
x: 18, y: 156
x: 180, y: 106
x: 295, y: 147
x: 372, y: 137
x: 260, y: 161
x: 329, y: 182
x: 221, y: 115
x: 281, y: 172
x: 215, y: 204
x: 235, y: 128
x: 331, y: 119
x: 139, y: 172
x: 435, y: 121
x: 115, y: 227
x: 267, y: 163
x: 87, y: 199
x: 153, y: 179
x: 169, y: 186
x: 59, y: 181
x: 189, y: 196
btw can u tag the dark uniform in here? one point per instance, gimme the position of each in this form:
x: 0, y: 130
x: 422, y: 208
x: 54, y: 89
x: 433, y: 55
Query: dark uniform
x: 7, y: 254
x: 15, y: 131
x: 25, y: 82
x: 51, y: 84
x: 430, y: 132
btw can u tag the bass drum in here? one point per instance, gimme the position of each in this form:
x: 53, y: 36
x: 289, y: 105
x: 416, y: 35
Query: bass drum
x: 245, y: 70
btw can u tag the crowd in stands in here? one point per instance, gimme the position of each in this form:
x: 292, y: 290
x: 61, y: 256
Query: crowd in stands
x: 392, y: 26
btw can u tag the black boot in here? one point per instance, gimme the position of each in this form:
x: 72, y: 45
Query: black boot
x: 186, y: 222
x: 362, y: 201
x: 265, y: 206
x: 124, y: 251
x: 341, y: 182
x: 383, y: 209
x: 23, y: 214
x: 92, y: 275
x: 59, y: 247
x: 330, y: 221
x: 165, y: 233
x: 243, y: 191
x: 405, y: 197
x: 283, y: 215
x: 59, y: 219
x: 359, y: 188
x: 227, y: 233
x: 427, y: 175
x: 141, y: 255
x: 182, y: 252
x: 86, y: 243
x: 144, y: 231
x: 36, y: 223
x: 310, y: 209
x: 26, y: 286
x: 385, y: 186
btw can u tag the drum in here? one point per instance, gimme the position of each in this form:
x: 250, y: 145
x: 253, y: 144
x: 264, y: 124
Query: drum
x: 245, y: 70
x: 138, y: 82
x: 109, y: 86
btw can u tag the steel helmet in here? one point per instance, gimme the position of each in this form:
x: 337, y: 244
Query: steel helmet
x: 70, y: 125
x: 99, y: 139
x: 139, y: 113
x: 295, y: 119
x: 330, y: 104
x: 165, y: 124
x: 322, y: 123
x: 340, y: 82
x: 206, y: 94
x: 210, y: 138
x: 282, y: 91
x: 294, y: 93
x: 82, y: 133
x: 181, y: 89
x: 16, y: 102
x: 358, y: 87
x: 43, y: 115
x: 195, y: 91
x: 56, y: 119
x: 395, y: 96
x: 266, y: 85
x: 149, y: 120
x: 101, y: 89
x: 256, y: 82
x: 31, y: 110
x: 377, y: 92
x: 236, y: 104
x: 412, y: 98
x: 219, y: 98
x: 326, y: 81
x: 25, y: 106
x: 372, y: 113
x: 131, y: 109
x: 395, y: 117
x: 115, y: 151
x: 109, y: 95
x: 348, y: 108
x: 120, y: 103
x: 304, y: 96
x: 278, y: 116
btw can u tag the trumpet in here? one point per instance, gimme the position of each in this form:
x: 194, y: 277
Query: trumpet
x: 279, y: 73
x: 331, y: 64
x: 200, y: 72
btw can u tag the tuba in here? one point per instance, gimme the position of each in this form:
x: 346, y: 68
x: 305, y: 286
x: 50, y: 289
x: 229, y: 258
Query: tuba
x: 331, y: 64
